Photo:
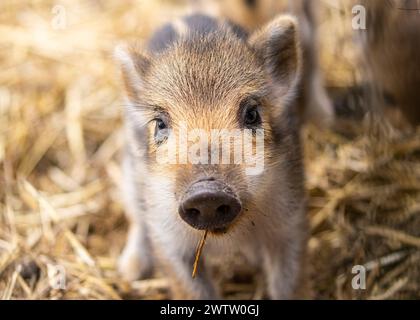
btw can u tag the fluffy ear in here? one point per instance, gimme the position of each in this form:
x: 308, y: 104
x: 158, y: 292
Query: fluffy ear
x: 134, y: 65
x: 278, y: 45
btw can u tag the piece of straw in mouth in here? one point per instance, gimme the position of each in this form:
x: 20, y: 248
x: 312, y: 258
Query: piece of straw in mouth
x: 198, y: 253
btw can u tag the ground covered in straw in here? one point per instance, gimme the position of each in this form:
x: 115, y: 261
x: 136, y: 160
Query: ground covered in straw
x: 60, y: 142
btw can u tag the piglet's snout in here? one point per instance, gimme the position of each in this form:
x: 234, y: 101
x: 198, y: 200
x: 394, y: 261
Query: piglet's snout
x: 209, y: 205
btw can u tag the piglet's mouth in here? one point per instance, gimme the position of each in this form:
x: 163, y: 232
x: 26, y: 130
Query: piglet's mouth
x: 219, y: 231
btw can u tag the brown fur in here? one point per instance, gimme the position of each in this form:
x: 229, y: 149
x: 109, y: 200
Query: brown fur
x: 314, y: 105
x: 201, y: 78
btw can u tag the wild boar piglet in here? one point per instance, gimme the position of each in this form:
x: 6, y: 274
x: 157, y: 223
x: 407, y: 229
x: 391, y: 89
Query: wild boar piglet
x: 212, y: 143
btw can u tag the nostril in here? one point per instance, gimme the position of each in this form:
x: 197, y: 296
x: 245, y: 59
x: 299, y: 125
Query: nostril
x: 223, y: 209
x: 193, y: 212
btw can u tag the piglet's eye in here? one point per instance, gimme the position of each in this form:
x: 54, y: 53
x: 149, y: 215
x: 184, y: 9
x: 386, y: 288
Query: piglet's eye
x: 252, y: 117
x: 160, y: 124
x: 251, y: 114
x: 161, y: 130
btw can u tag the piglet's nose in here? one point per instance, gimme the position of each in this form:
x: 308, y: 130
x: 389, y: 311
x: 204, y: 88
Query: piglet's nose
x: 209, y: 205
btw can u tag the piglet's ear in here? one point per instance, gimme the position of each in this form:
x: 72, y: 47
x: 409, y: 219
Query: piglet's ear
x: 134, y: 65
x: 277, y: 44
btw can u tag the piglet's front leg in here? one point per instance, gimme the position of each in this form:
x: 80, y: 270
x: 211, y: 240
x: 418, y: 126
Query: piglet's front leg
x: 284, y: 269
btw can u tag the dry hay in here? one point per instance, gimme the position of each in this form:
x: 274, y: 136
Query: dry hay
x: 60, y: 139
x: 364, y: 204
